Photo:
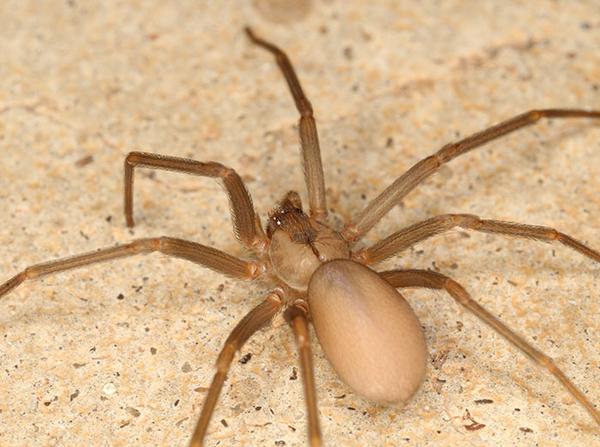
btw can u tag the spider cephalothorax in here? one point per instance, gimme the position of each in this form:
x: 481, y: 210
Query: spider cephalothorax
x: 299, y: 243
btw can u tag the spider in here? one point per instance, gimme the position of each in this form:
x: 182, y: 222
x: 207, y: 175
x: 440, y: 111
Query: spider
x: 320, y: 277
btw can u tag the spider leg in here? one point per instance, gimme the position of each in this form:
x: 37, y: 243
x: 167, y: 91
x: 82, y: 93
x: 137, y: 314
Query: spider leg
x: 309, y: 138
x: 179, y: 248
x: 246, y: 225
x: 252, y: 322
x: 434, y: 280
x: 392, y: 195
x: 297, y: 316
x: 409, y: 236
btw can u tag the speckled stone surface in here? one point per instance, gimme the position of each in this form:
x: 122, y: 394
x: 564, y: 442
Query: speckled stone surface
x: 119, y: 354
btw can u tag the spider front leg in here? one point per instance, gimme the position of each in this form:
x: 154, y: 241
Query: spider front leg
x: 434, y: 280
x: 407, y: 237
x: 179, y: 248
x: 394, y: 193
x: 246, y: 224
x: 309, y: 138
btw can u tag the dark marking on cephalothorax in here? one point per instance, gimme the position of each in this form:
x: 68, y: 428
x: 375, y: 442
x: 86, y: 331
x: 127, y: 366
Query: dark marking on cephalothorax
x: 289, y: 217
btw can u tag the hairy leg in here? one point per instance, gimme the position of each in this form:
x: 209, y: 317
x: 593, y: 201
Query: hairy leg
x: 434, y: 280
x: 179, y: 248
x: 297, y: 315
x: 246, y: 225
x: 309, y: 138
x: 394, y: 193
x: 258, y: 317
x: 405, y: 238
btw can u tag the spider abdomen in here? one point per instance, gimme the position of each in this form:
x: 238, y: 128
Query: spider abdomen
x: 368, y: 332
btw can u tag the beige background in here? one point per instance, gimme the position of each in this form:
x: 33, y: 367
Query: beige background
x: 390, y: 83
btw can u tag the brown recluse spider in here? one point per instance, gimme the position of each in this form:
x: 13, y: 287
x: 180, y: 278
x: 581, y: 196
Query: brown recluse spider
x: 318, y: 276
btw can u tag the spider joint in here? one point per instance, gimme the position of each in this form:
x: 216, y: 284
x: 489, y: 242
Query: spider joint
x: 466, y: 220
x: 350, y: 232
x: 277, y: 294
x: 534, y: 115
x: 361, y: 256
x: 256, y: 269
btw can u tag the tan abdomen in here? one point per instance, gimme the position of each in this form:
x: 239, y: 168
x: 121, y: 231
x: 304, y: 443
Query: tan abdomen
x: 368, y: 332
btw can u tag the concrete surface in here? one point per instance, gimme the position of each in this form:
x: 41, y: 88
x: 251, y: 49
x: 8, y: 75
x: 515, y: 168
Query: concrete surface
x: 119, y: 354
